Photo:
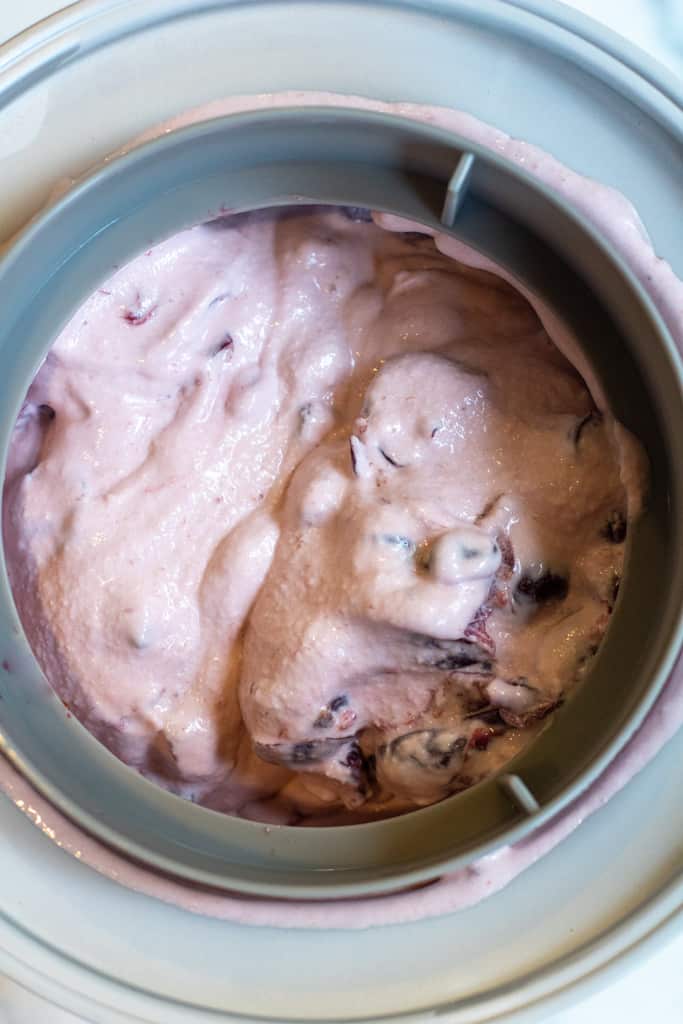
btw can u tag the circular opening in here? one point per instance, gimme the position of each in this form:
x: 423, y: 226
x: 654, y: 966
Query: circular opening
x: 164, y: 187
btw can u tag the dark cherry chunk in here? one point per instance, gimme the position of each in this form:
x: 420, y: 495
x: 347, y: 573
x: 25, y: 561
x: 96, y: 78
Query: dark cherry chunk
x: 227, y: 343
x: 305, y: 412
x: 304, y: 752
x: 464, y: 659
x: 324, y: 720
x: 46, y: 413
x: 549, y: 586
x: 431, y: 749
x: 354, y: 758
x: 325, y: 717
x: 357, y: 213
x: 480, y: 738
x: 452, y: 655
x: 615, y: 528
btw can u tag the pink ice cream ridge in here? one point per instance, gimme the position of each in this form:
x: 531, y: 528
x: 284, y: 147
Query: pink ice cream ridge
x: 308, y: 518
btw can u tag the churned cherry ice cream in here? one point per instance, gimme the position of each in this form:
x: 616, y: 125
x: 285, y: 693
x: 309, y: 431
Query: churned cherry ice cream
x: 309, y: 520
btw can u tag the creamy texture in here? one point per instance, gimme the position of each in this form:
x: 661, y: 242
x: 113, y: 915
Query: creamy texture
x: 615, y: 216
x: 445, y: 895
x: 448, y: 573
x: 297, y: 470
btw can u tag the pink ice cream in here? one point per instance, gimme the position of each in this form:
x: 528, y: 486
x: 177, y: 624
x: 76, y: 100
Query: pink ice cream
x: 296, y: 473
x: 425, y: 606
x: 252, y: 565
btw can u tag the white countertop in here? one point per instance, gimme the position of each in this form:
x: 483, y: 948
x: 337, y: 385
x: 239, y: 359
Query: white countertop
x: 652, y: 991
